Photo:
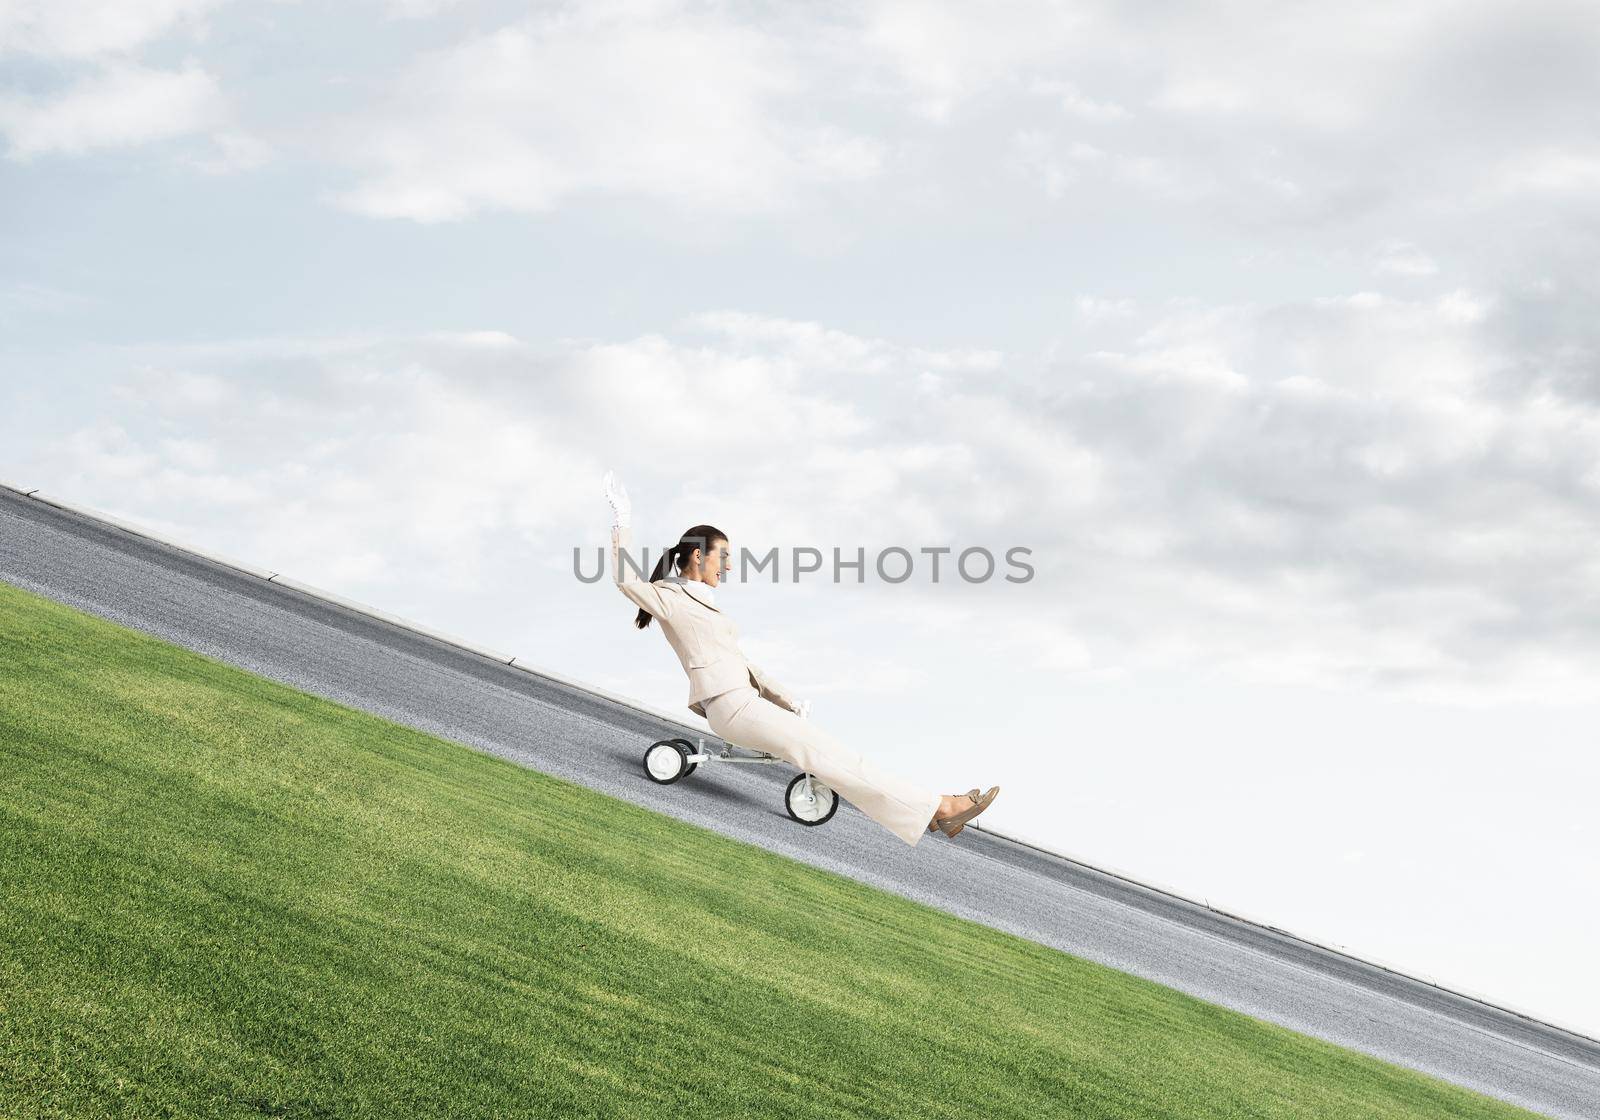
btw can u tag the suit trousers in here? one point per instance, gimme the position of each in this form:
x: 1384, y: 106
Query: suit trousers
x: 745, y: 718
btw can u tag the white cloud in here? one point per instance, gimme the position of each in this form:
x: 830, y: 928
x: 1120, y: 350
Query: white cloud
x: 1093, y: 309
x: 1245, y: 61
x: 1401, y: 258
x: 1060, y: 166
x: 122, y: 105
x: 108, y: 96
x: 1554, y: 171
x: 232, y: 151
x: 1031, y: 155
x: 1194, y: 365
x: 83, y: 29
x: 1075, y: 104
x: 658, y: 101
x: 822, y: 346
x: 1232, y: 489
x: 944, y: 54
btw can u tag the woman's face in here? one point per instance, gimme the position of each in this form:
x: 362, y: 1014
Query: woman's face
x: 712, y: 565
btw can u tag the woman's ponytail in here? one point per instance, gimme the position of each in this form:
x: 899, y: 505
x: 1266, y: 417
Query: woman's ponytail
x: 642, y: 619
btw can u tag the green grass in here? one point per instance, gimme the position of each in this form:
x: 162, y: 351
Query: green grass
x: 223, y: 897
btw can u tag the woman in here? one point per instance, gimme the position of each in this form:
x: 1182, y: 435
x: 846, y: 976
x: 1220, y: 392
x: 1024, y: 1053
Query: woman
x: 745, y: 706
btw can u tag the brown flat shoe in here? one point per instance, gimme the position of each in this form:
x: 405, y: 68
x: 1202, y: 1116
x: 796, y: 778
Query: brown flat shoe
x: 952, y: 825
x: 973, y: 793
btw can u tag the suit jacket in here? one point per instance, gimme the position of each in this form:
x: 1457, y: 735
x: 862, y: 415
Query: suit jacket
x: 705, y: 639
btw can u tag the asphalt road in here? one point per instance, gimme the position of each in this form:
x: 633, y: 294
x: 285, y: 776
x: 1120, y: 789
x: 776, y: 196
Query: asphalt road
x: 569, y: 732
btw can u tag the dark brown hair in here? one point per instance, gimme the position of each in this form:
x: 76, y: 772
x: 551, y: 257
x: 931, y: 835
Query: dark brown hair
x: 701, y: 537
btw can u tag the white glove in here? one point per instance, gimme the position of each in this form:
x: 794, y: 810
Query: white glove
x: 617, y: 495
x: 803, y: 709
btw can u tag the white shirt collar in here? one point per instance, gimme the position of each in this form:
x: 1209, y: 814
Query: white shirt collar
x: 701, y: 588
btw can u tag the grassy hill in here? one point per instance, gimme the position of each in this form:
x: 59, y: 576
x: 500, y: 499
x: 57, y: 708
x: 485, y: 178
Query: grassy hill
x: 223, y: 897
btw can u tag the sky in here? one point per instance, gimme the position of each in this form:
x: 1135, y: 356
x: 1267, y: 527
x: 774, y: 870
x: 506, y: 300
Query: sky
x: 1269, y: 329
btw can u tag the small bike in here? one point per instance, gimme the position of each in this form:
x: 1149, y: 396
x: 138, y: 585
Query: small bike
x: 807, y: 799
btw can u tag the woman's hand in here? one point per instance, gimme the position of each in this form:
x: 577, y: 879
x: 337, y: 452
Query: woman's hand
x: 803, y: 709
x: 617, y: 495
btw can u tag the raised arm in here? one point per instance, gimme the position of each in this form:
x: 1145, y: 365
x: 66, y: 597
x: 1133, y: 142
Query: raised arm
x: 641, y: 592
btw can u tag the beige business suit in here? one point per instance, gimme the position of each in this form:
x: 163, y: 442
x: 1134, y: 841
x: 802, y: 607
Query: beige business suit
x: 747, y: 707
